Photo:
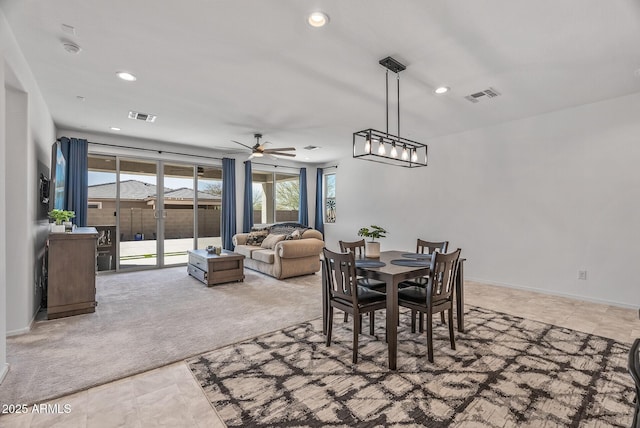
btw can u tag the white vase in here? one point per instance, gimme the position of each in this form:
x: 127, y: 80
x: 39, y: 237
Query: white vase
x: 372, y: 250
x: 57, y: 228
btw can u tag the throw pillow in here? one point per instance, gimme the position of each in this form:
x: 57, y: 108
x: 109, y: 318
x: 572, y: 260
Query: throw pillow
x: 286, y: 228
x: 271, y: 240
x: 256, y: 238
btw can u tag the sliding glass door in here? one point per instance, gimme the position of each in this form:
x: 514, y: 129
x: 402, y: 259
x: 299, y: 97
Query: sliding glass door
x: 138, y: 213
x: 147, y: 212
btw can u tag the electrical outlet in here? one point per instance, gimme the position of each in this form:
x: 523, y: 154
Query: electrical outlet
x: 582, y: 274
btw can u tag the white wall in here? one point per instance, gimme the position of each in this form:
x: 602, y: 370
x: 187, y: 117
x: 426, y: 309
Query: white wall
x: 28, y: 133
x: 3, y: 218
x: 530, y: 202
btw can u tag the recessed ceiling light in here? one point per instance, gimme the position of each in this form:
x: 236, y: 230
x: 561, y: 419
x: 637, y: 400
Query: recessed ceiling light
x: 441, y: 90
x: 114, y: 128
x: 125, y: 75
x: 318, y: 19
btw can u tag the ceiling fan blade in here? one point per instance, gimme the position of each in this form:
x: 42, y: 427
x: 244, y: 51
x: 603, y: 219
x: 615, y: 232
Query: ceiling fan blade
x: 279, y: 149
x: 237, y: 142
x: 291, y: 155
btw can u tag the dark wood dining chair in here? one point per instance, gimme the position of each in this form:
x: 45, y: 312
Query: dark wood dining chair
x: 425, y: 247
x: 634, y: 370
x: 357, y: 248
x: 344, y: 293
x: 436, y: 296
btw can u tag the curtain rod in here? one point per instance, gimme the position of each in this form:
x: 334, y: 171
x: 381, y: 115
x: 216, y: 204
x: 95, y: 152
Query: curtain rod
x: 152, y: 150
x: 187, y: 154
x: 275, y: 166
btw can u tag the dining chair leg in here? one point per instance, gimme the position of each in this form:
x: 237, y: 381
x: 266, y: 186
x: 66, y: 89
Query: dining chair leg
x: 329, y: 325
x: 421, y: 323
x: 451, y: 337
x: 372, y: 315
x: 413, y: 320
x: 442, y: 317
x: 356, y: 333
x: 346, y: 317
x: 430, y: 336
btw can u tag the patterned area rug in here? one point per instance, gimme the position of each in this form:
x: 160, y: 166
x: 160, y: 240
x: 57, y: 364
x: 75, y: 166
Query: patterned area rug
x: 507, y: 371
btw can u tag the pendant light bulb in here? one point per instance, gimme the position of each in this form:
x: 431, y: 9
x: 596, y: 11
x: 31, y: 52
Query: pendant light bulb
x: 414, y: 156
x: 381, y: 150
x: 394, y: 151
x: 367, y: 146
x: 405, y: 153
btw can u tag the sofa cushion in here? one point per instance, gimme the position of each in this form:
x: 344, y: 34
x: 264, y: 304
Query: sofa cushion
x: 256, y: 237
x: 245, y: 250
x: 266, y: 256
x: 271, y: 240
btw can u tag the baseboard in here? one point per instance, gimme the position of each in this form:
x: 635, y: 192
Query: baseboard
x: 4, y: 369
x: 552, y: 293
x: 26, y: 329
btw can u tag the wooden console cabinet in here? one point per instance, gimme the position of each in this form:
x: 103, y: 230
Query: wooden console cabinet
x: 71, y: 285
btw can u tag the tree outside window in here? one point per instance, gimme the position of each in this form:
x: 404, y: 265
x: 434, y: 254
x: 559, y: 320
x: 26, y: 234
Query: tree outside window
x: 330, y: 198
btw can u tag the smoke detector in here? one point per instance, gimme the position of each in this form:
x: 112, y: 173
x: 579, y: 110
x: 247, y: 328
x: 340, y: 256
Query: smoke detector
x: 145, y: 117
x: 71, y: 47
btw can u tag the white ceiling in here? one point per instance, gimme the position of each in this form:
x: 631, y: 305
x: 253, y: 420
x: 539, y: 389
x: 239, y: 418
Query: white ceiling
x: 215, y: 71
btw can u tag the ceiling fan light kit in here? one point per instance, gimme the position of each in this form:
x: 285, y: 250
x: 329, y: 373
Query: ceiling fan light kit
x: 258, y: 150
x: 371, y: 144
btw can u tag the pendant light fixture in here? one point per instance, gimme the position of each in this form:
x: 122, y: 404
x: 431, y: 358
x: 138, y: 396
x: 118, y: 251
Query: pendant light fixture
x: 413, y: 154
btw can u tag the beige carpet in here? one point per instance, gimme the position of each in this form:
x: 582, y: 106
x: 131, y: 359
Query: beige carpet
x: 506, y: 371
x: 146, y: 320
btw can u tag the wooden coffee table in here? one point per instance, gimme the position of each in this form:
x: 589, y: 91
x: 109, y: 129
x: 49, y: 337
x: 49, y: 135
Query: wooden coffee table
x: 212, y: 269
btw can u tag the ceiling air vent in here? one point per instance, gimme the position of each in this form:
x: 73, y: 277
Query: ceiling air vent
x: 142, y: 116
x: 487, y: 93
x: 312, y: 147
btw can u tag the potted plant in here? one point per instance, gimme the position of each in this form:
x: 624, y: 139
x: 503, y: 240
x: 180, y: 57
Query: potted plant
x: 61, y: 217
x: 372, y: 248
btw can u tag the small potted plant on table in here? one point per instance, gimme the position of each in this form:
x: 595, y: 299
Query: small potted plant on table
x: 61, y: 217
x: 372, y: 248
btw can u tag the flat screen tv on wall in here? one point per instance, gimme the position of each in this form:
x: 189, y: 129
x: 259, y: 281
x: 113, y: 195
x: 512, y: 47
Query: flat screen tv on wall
x: 58, y: 176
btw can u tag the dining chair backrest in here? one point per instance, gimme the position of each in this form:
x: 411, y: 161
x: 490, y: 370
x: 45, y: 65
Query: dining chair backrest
x: 442, y: 275
x: 340, y: 272
x: 427, y: 247
x: 356, y: 247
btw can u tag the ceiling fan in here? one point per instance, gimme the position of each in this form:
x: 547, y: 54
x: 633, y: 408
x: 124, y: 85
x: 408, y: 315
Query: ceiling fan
x: 259, y: 150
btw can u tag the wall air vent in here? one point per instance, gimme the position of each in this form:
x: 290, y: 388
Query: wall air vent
x: 486, y: 94
x: 312, y: 147
x: 142, y: 116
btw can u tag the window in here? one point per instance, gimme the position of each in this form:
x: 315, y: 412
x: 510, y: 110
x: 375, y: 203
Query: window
x: 276, y: 197
x: 329, y: 198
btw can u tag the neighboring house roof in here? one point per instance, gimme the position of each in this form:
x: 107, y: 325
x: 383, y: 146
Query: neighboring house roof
x: 186, y: 193
x: 129, y: 189
x: 138, y: 190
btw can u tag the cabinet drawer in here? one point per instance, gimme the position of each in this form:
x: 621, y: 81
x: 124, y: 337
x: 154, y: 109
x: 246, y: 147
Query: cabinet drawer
x: 197, y: 273
x: 198, y: 261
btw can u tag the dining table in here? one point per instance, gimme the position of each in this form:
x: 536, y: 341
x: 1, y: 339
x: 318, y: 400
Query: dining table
x: 393, y: 274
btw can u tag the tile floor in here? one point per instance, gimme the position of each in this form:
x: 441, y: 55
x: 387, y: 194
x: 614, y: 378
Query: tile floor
x: 169, y: 396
